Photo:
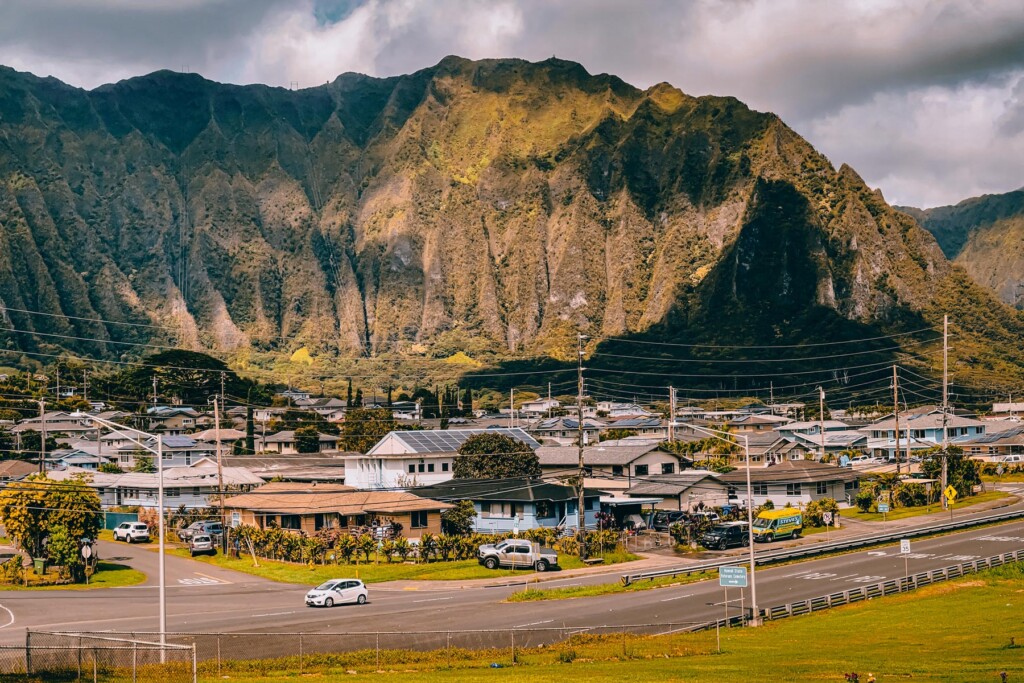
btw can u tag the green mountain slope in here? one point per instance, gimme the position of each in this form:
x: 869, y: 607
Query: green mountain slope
x: 985, y: 235
x: 500, y: 204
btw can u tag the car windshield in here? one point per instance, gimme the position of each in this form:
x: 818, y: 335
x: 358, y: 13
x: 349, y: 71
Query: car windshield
x: 326, y: 586
x: 202, y: 539
x: 762, y: 523
x: 719, y: 529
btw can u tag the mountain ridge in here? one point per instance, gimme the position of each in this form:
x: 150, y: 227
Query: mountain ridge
x: 499, y: 205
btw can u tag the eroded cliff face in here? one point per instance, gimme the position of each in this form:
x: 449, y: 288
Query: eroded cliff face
x: 985, y: 235
x: 512, y: 203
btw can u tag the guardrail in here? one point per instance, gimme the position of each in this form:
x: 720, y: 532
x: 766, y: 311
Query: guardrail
x: 875, y: 590
x: 811, y: 550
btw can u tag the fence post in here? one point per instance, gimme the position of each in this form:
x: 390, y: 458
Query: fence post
x: 79, y: 657
x: 513, y: 632
x: 28, y: 652
x: 377, y: 646
x: 95, y: 667
x: 195, y: 674
x: 135, y: 661
x: 448, y: 649
x: 300, y: 654
x: 218, y: 655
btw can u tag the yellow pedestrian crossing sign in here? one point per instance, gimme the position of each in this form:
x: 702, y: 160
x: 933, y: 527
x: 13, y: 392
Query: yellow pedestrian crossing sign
x: 950, y: 493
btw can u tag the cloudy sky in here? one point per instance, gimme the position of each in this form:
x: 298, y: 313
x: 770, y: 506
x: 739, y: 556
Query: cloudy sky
x: 925, y: 98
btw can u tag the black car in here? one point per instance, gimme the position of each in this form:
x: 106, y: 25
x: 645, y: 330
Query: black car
x: 662, y: 520
x: 726, y: 535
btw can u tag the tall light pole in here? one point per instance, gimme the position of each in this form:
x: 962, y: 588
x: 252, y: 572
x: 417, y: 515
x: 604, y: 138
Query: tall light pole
x: 719, y: 434
x: 581, y: 512
x: 162, y: 536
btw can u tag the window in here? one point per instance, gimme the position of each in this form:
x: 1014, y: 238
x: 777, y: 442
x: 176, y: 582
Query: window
x: 502, y: 510
x: 588, y: 471
x: 323, y: 521
x: 616, y: 470
x: 543, y: 508
x: 195, y: 491
x: 760, y: 489
x: 173, y: 493
x: 640, y: 470
x: 850, y: 485
x: 822, y: 488
x: 444, y: 467
x: 430, y: 467
x: 792, y: 489
x: 668, y: 468
x: 291, y: 522
x: 419, y: 519
x: 918, y: 433
x: 412, y: 469
x: 422, y: 467
x: 236, y: 519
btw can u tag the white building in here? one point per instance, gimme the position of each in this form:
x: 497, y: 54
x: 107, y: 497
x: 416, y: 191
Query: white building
x: 404, y: 459
x: 193, y: 487
x: 612, y: 409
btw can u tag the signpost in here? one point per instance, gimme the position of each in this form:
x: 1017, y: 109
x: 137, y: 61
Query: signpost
x: 905, y: 552
x: 950, y: 495
x: 737, y: 578
x: 826, y: 517
x: 86, y: 554
x: 883, y: 508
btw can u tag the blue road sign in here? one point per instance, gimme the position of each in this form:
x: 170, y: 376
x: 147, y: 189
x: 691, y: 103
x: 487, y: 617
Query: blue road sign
x: 883, y: 507
x: 732, y: 577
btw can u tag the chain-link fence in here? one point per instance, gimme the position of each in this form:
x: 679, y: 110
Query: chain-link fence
x: 100, y: 658
x: 218, y: 653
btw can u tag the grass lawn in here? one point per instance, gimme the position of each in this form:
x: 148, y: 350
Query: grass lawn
x: 566, y: 592
x: 108, y: 575
x: 902, y: 513
x: 952, y: 632
x: 1014, y: 477
x: 376, y: 573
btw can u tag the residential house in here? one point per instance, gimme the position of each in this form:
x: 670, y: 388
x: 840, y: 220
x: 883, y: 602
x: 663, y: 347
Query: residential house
x: 406, y: 410
x: 504, y: 505
x: 683, y: 490
x: 193, y: 487
x: 565, y: 431
x: 228, y: 438
x: 312, y: 507
x: 643, y: 426
x: 317, y: 467
x: 284, y: 443
x: 993, y: 445
x: 16, y: 470
x: 178, y: 451
x: 923, y: 428
x: 1008, y: 409
x: 266, y: 414
x: 293, y: 395
x: 539, y: 408
x: 772, y: 447
x: 609, y: 468
x: 834, y: 442
x: 331, y: 409
x: 810, y: 427
x: 406, y: 459
x: 174, y: 419
x: 756, y: 423
x: 613, y: 409
x: 794, y: 481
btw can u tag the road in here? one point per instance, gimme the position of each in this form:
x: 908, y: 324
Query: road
x: 202, y: 598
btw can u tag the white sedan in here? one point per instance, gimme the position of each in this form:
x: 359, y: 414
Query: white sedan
x: 337, y: 591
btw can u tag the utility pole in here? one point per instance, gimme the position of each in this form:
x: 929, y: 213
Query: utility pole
x: 220, y: 468
x: 896, y: 413
x: 85, y: 385
x: 821, y: 420
x: 58, y: 381
x: 945, y: 406
x: 580, y: 510
x: 511, y: 408
x: 42, y: 440
x: 154, y: 391
x: 671, y: 414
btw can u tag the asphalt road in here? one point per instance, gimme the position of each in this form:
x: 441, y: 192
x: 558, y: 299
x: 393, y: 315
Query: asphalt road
x: 202, y: 598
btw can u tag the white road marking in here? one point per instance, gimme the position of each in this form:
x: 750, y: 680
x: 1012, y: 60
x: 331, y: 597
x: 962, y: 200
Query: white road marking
x: 877, y: 553
x: 534, y: 623
x: 273, y: 614
x: 433, y: 599
x: 10, y: 613
x: 678, y: 597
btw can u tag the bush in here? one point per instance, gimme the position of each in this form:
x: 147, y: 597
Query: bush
x: 815, y: 510
x: 865, y: 499
x: 909, y: 494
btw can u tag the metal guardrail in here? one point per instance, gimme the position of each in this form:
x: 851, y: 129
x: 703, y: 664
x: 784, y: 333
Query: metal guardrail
x: 876, y: 590
x: 811, y: 550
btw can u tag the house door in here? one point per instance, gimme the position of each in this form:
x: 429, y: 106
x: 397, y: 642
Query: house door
x: 560, y: 511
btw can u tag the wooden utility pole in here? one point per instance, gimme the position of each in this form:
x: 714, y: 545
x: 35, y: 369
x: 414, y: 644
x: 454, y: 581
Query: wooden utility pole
x: 896, y: 414
x: 220, y: 468
x: 945, y: 406
x: 580, y: 509
x: 671, y: 414
x: 42, y: 440
x: 821, y: 420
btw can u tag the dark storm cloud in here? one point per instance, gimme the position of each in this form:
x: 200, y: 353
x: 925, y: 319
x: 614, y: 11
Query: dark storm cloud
x: 923, y: 97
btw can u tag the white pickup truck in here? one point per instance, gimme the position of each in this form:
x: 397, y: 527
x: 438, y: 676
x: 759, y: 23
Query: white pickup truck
x: 517, y: 554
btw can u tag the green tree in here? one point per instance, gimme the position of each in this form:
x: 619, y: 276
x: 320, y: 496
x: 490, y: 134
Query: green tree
x: 458, y: 521
x: 613, y: 434
x: 962, y: 472
x: 495, y: 456
x: 30, y: 509
x: 62, y: 549
x: 307, y: 439
x: 187, y: 375
x: 359, y: 398
x: 110, y: 468
x: 144, y: 464
x: 364, y: 427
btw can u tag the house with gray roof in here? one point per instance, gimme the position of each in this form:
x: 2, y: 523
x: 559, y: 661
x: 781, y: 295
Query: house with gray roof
x: 683, y: 490
x: 609, y: 468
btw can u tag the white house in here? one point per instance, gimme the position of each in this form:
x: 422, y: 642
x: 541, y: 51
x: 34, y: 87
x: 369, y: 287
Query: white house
x: 539, y: 407
x: 608, y: 468
x: 405, y: 459
x: 565, y: 431
x: 193, y: 487
x: 797, y: 482
x: 613, y: 409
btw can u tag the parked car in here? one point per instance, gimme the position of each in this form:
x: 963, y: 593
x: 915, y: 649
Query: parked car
x: 726, y: 535
x: 781, y: 523
x: 201, y: 544
x: 211, y: 527
x: 517, y: 553
x: 1013, y: 459
x: 337, y: 591
x: 662, y: 520
x: 861, y: 459
x: 131, y: 532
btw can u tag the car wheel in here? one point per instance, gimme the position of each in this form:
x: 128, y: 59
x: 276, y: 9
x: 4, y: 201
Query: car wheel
x: 722, y: 545
x: 541, y: 566
x: 329, y: 602
x: 491, y: 563
x: 191, y: 554
x: 796, y: 534
x: 128, y: 539
x: 361, y: 600
x: 769, y: 538
x: 745, y: 540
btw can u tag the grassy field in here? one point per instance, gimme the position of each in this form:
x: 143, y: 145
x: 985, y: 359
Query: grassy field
x: 903, y: 513
x: 566, y: 592
x: 376, y: 573
x: 951, y: 632
x: 108, y: 575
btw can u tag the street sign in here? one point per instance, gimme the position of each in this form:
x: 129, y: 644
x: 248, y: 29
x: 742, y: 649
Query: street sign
x: 826, y: 517
x: 904, y: 546
x: 86, y: 552
x: 515, y: 527
x: 950, y: 493
x: 883, y: 507
x: 732, y: 577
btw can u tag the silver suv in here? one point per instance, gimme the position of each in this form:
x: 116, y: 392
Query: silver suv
x: 131, y: 532
x: 201, y: 543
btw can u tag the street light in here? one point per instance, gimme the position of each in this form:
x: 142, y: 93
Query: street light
x: 717, y: 434
x: 159, y: 452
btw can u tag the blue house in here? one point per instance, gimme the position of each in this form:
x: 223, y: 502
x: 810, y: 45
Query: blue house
x: 504, y: 505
